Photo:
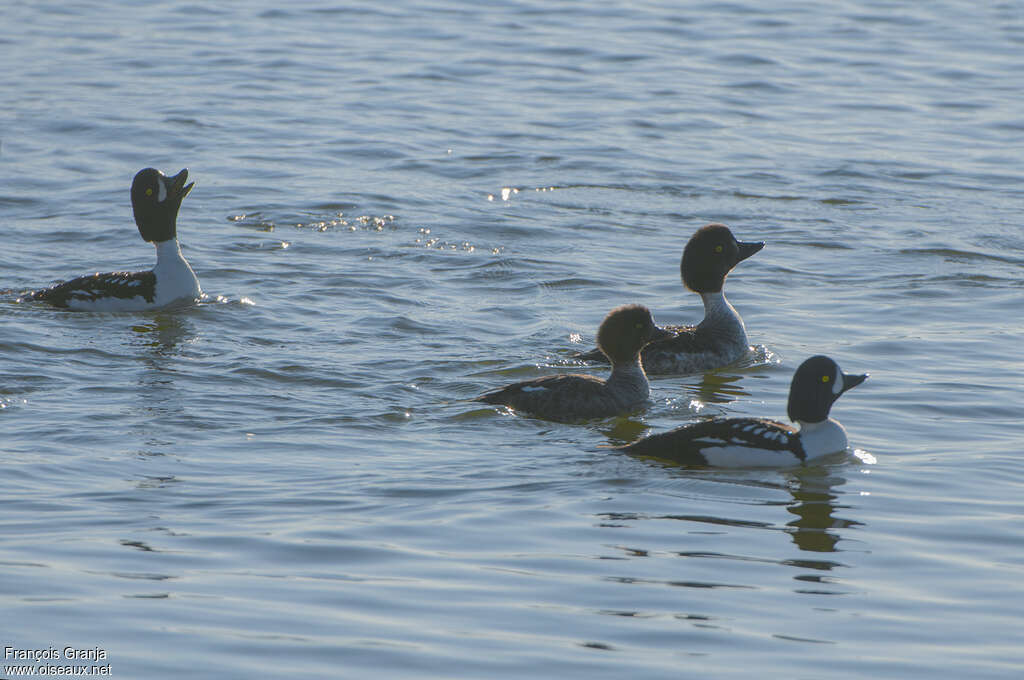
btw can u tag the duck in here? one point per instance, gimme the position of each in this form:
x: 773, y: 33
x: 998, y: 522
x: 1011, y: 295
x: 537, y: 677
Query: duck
x: 572, y: 397
x: 756, y: 442
x: 156, y: 200
x: 721, y: 338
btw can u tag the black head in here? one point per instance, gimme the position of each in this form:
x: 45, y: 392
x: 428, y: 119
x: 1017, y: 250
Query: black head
x: 155, y: 200
x: 815, y: 387
x: 710, y: 255
x: 625, y: 331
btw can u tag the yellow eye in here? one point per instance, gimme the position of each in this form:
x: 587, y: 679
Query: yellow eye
x: 149, y: 192
x: 639, y: 326
x: 718, y: 249
x: 824, y: 378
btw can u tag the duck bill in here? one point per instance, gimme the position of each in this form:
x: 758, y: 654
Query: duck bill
x: 660, y: 334
x: 747, y: 248
x: 178, y: 188
x: 851, y: 381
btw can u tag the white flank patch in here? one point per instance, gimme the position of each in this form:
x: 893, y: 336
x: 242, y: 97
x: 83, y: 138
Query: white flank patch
x: 746, y: 456
x: 109, y: 304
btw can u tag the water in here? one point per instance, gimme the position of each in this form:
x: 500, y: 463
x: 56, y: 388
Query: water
x: 401, y: 205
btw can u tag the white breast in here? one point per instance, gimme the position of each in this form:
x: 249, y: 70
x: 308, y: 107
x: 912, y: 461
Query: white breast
x: 821, y: 439
x: 176, y: 283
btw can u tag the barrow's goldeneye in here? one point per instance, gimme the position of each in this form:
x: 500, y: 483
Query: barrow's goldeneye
x: 156, y: 199
x: 622, y: 334
x: 721, y: 337
x: 757, y: 442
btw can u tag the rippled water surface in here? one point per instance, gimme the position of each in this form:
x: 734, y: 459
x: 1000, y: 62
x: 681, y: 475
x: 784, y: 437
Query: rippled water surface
x: 401, y: 205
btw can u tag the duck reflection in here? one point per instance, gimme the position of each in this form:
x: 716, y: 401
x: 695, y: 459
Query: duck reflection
x: 164, y: 334
x: 162, y: 339
x: 815, y: 528
x: 814, y: 501
x: 717, y: 388
x: 156, y: 416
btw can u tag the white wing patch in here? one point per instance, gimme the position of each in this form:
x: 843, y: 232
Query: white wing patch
x: 774, y: 435
x: 532, y: 388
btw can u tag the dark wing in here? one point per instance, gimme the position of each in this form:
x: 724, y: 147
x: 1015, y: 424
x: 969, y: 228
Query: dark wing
x: 691, y: 350
x: 557, y: 397
x: 94, y: 286
x: 687, y: 340
x: 688, y: 444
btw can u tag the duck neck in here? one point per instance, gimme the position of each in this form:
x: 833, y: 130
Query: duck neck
x: 715, y: 306
x: 628, y: 378
x: 168, y: 252
x: 173, y: 268
x: 719, y: 314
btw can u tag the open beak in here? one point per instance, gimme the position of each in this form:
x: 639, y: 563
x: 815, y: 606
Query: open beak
x: 178, y: 187
x: 747, y: 248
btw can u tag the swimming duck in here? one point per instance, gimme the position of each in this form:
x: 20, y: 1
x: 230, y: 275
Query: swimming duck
x: 757, y: 442
x: 156, y: 199
x: 721, y: 338
x: 620, y: 337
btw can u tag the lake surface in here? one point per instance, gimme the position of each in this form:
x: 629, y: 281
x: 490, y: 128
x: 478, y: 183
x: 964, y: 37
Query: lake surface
x: 401, y: 205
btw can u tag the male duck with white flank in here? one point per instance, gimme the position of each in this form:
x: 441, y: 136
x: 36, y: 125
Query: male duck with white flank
x: 721, y: 338
x: 756, y: 442
x: 621, y: 336
x: 156, y: 199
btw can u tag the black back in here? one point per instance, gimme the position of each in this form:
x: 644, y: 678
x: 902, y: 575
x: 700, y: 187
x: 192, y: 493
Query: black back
x: 688, y: 444
x: 125, y: 285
